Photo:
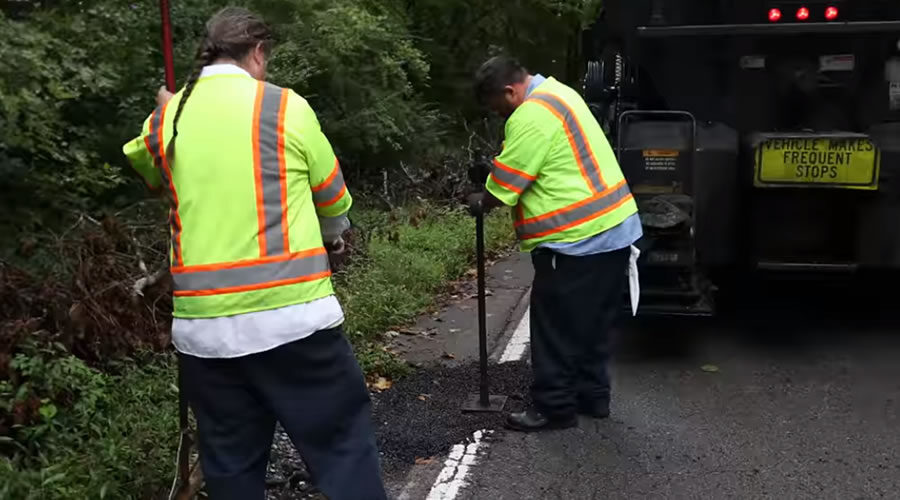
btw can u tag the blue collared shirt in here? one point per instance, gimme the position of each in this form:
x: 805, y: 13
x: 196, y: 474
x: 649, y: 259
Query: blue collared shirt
x: 622, y: 236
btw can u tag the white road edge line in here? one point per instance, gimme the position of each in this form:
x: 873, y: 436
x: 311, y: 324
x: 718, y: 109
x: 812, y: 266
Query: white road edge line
x: 518, y: 343
x: 453, y: 476
x: 462, y: 458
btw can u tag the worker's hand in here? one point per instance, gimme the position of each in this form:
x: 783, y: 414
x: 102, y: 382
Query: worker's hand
x: 476, y: 204
x: 163, y: 96
x: 479, y: 171
x: 337, y: 247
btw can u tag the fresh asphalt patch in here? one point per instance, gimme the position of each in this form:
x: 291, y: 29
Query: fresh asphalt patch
x: 420, y: 416
x: 287, y: 477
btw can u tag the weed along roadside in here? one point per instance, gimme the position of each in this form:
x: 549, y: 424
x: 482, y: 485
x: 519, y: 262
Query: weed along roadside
x: 107, y: 428
x: 408, y: 260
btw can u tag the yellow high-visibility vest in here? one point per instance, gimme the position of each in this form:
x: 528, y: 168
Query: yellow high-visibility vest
x: 558, y: 170
x: 251, y: 175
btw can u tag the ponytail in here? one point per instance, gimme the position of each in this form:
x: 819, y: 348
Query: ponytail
x: 206, y: 54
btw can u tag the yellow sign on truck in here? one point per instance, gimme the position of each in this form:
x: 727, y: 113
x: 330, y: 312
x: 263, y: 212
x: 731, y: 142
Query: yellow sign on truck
x: 841, y: 161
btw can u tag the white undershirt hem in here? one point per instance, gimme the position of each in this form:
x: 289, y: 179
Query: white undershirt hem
x: 256, y: 332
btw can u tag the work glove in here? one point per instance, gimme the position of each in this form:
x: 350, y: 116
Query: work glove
x: 479, y: 171
x: 476, y: 204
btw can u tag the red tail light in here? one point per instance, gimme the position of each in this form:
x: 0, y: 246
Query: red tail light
x: 831, y: 13
x: 802, y: 14
x: 775, y: 15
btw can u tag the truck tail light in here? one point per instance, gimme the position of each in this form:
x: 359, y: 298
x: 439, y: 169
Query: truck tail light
x: 832, y: 13
x: 802, y: 14
x: 774, y: 15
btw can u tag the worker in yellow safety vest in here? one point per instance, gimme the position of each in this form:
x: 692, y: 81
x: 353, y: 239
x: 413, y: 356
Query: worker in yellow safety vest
x: 574, y: 212
x: 255, y: 190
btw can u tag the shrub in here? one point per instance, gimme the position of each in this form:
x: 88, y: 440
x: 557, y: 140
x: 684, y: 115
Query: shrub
x: 95, y: 435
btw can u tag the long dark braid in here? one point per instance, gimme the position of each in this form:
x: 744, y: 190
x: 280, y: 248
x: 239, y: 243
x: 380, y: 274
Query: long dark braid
x: 231, y: 33
x: 206, y: 54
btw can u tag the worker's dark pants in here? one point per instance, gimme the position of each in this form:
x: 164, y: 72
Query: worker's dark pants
x: 315, y: 388
x: 574, y: 304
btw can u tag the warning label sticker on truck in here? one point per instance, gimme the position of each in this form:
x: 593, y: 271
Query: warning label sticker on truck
x: 661, y: 160
x: 818, y: 161
x: 839, y: 62
x: 753, y: 62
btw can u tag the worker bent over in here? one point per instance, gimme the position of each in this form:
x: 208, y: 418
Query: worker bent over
x: 254, y: 188
x: 574, y: 212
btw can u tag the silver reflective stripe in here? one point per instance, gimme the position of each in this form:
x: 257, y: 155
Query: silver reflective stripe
x: 257, y: 275
x: 571, y: 217
x: 156, y: 121
x: 270, y: 169
x: 582, y: 148
x: 511, y: 179
x: 328, y: 193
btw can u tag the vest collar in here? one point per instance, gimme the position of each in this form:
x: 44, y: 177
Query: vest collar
x: 222, y: 69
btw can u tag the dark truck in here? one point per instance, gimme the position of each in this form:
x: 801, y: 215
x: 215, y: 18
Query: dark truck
x: 759, y: 137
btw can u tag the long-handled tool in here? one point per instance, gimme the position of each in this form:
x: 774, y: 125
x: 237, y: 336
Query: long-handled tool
x: 188, y: 480
x: 168, y: 58
x: 483, y: 402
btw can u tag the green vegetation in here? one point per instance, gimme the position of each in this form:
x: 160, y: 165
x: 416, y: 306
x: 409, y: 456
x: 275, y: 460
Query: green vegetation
x: 114, y: 439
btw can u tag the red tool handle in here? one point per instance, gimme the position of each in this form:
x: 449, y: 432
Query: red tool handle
x: 168, y: 58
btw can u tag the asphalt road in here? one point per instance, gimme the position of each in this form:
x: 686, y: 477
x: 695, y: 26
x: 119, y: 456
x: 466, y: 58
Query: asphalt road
x: 793, y: 394
x: 800, y: 407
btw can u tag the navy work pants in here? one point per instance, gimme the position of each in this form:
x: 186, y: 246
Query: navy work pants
x: 315, y: 388
x: 574, y: 305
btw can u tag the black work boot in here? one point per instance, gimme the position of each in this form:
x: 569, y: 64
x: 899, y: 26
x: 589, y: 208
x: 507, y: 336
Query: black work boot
x: 532, y: 420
